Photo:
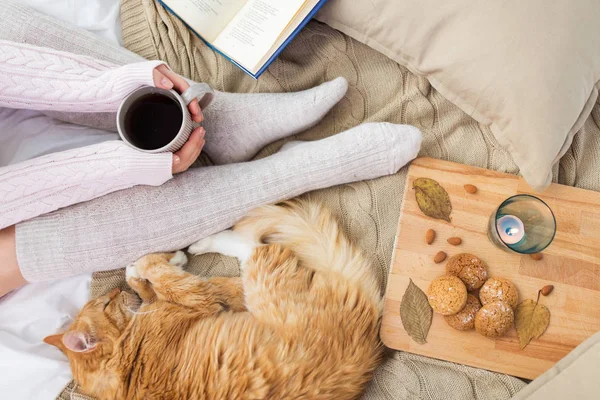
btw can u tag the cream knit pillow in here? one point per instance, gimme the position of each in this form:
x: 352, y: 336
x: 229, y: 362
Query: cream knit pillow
x: 529, y: 69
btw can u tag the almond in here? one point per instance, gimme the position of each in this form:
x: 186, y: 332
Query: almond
x: 471, y: 189
x: 430, y: 236
x: 536, y: 256
x: 546, y: 290
x: 455, y: 241
x: 439, y: 257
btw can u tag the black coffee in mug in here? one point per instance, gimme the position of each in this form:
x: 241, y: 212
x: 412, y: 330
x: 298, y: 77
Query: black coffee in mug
x: 153, y: 121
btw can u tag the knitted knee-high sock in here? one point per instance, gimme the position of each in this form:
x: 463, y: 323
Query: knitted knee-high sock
x: 239, y: 125
x: 116, y: 229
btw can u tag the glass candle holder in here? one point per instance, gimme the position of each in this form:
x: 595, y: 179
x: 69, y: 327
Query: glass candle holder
x: 523, y: 224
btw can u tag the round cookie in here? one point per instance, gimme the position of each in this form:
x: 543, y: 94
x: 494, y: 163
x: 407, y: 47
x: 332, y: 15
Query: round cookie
x: 469, y: 268
x: 499, y: 289
x: 447, y: 295
x: 464, y: 320
x: 494, y: 319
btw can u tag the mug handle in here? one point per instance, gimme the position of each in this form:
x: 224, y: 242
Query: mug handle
x: 200, y: 91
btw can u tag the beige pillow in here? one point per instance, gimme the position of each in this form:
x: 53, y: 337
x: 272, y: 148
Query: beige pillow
x: 528, y: 69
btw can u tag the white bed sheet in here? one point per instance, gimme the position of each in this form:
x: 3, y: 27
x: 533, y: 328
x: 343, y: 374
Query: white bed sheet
x: 99, y: 16
x: 31, y: 369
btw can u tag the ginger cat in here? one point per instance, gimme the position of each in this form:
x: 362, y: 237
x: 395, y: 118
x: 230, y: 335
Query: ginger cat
x: 301, y: 323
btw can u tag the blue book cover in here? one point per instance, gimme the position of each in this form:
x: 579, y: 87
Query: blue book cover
x: 277, y: 52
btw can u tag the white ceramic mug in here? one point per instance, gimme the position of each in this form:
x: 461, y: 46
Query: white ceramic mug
x: 200, y: 91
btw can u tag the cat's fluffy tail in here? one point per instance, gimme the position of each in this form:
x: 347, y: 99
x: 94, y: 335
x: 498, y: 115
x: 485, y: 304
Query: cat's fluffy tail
x: 311, y: 232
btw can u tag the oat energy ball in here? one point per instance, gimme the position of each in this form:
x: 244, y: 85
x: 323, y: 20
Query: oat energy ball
x: 494, y: 319
x: 499, y: 289
x: 464, y: 320
x: 447, y: 295
x: 469, y: 269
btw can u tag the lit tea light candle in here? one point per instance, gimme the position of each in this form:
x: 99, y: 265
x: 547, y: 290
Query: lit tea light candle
x: 510, y: 229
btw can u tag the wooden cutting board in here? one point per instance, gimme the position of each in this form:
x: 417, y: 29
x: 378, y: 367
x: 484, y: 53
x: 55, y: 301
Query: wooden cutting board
x: 571, y: 263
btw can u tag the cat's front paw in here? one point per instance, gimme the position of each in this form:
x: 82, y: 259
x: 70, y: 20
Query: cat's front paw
x: 141, y: 286
x: 179, y: 259
x: 132, y: 277
x: 152, y: 266
x: 131, y: 272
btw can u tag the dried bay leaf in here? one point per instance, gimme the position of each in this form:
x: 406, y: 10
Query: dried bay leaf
x: 531, y: 320
x: 416, y: 313
x: 432, y: 199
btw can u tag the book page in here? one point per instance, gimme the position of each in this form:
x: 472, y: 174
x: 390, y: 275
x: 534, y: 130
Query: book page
x: 207, y: 17
x: 254, y: 30
x: 287, y: 32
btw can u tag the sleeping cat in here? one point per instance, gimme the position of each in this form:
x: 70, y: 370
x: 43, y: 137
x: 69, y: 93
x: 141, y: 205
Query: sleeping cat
x: 300, y: 323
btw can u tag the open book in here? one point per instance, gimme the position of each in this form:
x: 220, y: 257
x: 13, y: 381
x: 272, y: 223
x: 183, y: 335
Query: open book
x: 250, y: 33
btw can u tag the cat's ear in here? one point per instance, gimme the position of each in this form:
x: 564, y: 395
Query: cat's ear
x: 78, y: 342
x: 56, y: 341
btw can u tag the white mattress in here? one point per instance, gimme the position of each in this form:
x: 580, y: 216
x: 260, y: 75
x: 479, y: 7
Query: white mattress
x: 31, y: 369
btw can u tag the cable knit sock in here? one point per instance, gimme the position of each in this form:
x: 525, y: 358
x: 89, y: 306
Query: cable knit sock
x: 239, y: 125
x: 114, y: 230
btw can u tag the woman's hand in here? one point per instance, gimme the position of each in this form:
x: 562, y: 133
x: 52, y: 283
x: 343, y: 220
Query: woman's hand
x: 185, y: 157
x: 167, y: 79
x: 190, y: 151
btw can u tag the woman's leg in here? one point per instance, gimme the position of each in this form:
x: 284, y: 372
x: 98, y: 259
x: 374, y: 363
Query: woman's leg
x: 117, y: 229
x: 10, y: 274
x: 239, y: 125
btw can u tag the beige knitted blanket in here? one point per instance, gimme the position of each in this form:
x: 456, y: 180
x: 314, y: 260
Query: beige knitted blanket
x: 380, y: 90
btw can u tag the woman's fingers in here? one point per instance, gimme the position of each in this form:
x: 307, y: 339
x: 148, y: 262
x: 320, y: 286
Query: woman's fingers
x: 187, y: 154
x: 161, y: 81
x: 190, y: 151
x: 181, y: 85
x: 166, y: 79
x: 195, y: 110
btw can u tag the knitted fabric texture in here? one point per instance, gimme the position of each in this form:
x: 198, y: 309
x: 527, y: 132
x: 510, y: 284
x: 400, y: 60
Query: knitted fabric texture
x: 40, y: 78
x: 380, y: 90
x: 46, y: 183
